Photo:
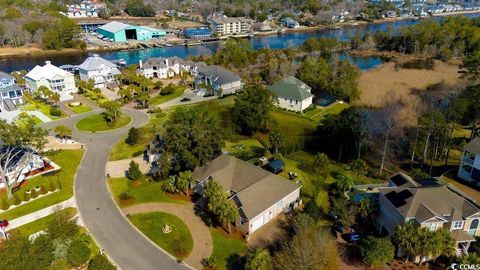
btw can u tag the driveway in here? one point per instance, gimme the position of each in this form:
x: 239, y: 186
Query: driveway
x: 202, y: 240
x: 124, y: 245
x: 119, y: 168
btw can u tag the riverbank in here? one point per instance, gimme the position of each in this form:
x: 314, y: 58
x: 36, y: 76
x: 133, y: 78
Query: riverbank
x: 33, y: 51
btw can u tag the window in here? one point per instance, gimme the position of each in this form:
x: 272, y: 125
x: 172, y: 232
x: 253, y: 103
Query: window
x: 457, y: 225
x: 432, y: 226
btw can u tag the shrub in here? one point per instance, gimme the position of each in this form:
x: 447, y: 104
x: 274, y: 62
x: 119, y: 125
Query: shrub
x: 377, y: 251
x: 34, y: 194
x: 100, y: 262
x: 16, y: 199
x: 5, y: 204
x: 52, y: 186
x: 209, y: 262
x: 134, y: 172
x: 168, y: 90
x: 55, y: 112
x: 26, y: 196
x: 59, y: 264
x: 132, y: 137
x: 78, y: 253
x: 124, y: 196
x: 43, y: 190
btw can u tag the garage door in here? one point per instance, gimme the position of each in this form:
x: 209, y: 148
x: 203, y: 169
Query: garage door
x: 257, y: 223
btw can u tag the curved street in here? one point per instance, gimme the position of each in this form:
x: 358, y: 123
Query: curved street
x: 125, y: 246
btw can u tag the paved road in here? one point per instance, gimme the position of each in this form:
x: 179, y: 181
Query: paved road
x: 105, y: 222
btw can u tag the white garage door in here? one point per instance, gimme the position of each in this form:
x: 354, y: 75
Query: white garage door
x: 257, y: 223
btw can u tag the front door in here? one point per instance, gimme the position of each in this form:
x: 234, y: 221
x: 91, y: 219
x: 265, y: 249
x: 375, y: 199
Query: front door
x: 473, y: 227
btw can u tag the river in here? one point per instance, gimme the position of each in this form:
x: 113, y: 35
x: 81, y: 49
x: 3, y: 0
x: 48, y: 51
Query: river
x: 291, y: 39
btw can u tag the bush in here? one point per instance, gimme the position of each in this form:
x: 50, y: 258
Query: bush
x: 16, y: 199
x: 124, y: 196
x: 155, y: 110
x: 5, y: 204
x: 78, y: 253
x: 100, y: 262
x: 167, y: 90
x: 209, y: 262
x: 43, y: 190
x: 134, y: 172
x: 59, y: 264
x: 132, y: 137
x: 52, y: 186
x: 55, y: 112
x: 377, y: 251
x: 26, y: 196
x: 33, y: 194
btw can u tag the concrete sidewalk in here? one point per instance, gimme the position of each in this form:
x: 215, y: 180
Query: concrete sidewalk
x: 39, y: 214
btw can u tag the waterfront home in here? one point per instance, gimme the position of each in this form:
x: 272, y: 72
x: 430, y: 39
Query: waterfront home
x: 428, y: 204
x: 469, y: 169
x: 216, y: 80
x: 121, y: 32
x: 292, y: 94
x: 52, y: 77
x: 102, y: 72
x: 161, y: 67
x: 259, y: 195
x: 230, y: 26
x: 289, y: 23
x: 11, y: 94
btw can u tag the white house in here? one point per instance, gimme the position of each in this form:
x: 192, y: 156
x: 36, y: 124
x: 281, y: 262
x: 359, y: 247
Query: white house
x: 52, y: 77
x: 259, y: 195
x: 11, y: 94
x: 161, y: 67
x: 101, y: 71
x: 292, y: 94
x: 469, y: 169
x: 21, y: 163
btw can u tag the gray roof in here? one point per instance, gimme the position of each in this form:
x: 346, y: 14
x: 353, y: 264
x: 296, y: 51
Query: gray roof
x: 6, y: 76
x: 218, y: 74
x: 473, y: 146
x: 159, y: 62
x: 10, y: 88
x: 256, y: 189
x: 427, y: 203
x: 291, y: 87
x: 95, y: 62
x: 114, y: 27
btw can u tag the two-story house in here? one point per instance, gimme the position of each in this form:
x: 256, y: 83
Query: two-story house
x: 432, y: 206
x: 292, y: 94
x: 469, y: 169
x: 259, y: 195
x: 161, y: 67
x: 11, y: 94
x: 52, y: 77
x: 216, y: 80
x: 101, y: 71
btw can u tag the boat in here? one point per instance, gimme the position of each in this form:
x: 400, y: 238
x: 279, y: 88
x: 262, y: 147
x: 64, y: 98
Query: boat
x: 193, y: 43
x: 168, y: 45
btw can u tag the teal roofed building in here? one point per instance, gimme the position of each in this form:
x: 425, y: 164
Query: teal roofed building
x: 292, y: 94
x: 121, y: 32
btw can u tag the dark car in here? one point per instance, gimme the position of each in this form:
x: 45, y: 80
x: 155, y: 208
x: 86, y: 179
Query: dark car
x: 185, y: 99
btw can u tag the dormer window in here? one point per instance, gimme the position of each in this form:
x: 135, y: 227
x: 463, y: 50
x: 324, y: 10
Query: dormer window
x: 457, y: 225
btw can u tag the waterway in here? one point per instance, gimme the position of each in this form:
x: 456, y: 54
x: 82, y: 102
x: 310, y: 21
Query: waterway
x: 290, y: 39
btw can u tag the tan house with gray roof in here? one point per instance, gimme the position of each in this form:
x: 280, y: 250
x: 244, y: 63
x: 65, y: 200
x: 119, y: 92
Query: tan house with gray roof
x: 259, y: 195
x: 431, y: 206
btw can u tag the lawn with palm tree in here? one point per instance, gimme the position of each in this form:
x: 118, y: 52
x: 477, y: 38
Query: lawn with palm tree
x: 97, y: 122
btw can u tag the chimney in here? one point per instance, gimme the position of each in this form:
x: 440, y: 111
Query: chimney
x: 140, y: 63
x: 48, y: 62
x: 95, y: 56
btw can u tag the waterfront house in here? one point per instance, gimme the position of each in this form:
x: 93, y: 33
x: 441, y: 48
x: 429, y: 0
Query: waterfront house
x: 428, y: 204
x: 289, y: 22
x: 121, y: 32
x: 223, y: 25
x: 101, y: 71
x: 259, y: 195
x: 161, y: 67
x: 216, y: 80
x: 11, y: 94
x: 292, y: 94
x: 52, y: 77
x: 21, y: 164
x: 469, y: 169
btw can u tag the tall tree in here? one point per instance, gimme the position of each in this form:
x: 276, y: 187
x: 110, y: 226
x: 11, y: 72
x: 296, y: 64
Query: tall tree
x: 18, y: 140
x: 259, y: 260
x: 112, y: 112
x: 277, y: 139
x: 321, y: 164
x: 252, y: 108
x: 184, y: 181
x: 217, y: 202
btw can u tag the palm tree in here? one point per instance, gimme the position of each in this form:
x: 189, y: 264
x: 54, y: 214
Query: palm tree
x: 169, y: 185
x: 404, y: 238
x: 359, y: 166
x: 321, y: 163
x: 184, y: 181
x: 228, y: 214
x: 277, y: 139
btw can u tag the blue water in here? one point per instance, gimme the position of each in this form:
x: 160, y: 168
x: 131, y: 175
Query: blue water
x: 286, y: 40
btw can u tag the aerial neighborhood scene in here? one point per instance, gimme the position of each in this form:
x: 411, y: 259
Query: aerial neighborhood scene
x: 256, y: 135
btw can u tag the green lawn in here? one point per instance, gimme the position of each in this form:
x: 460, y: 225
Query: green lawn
x: 159, y: 99
x: 248, y: 147
x: 43, y: 108
x: 145, y: 192
x: 97, y: 122
x: 226, y: 250
x: 79, y: 109
x: 22, y: 120
x: 68, y: 160
x: 178, y: 242
x: 96, y: 98
x: 41, y: 224
x: 147, y: 133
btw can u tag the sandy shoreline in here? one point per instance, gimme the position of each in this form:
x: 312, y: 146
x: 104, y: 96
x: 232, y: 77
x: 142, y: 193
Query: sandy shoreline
x: 33, y: 51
